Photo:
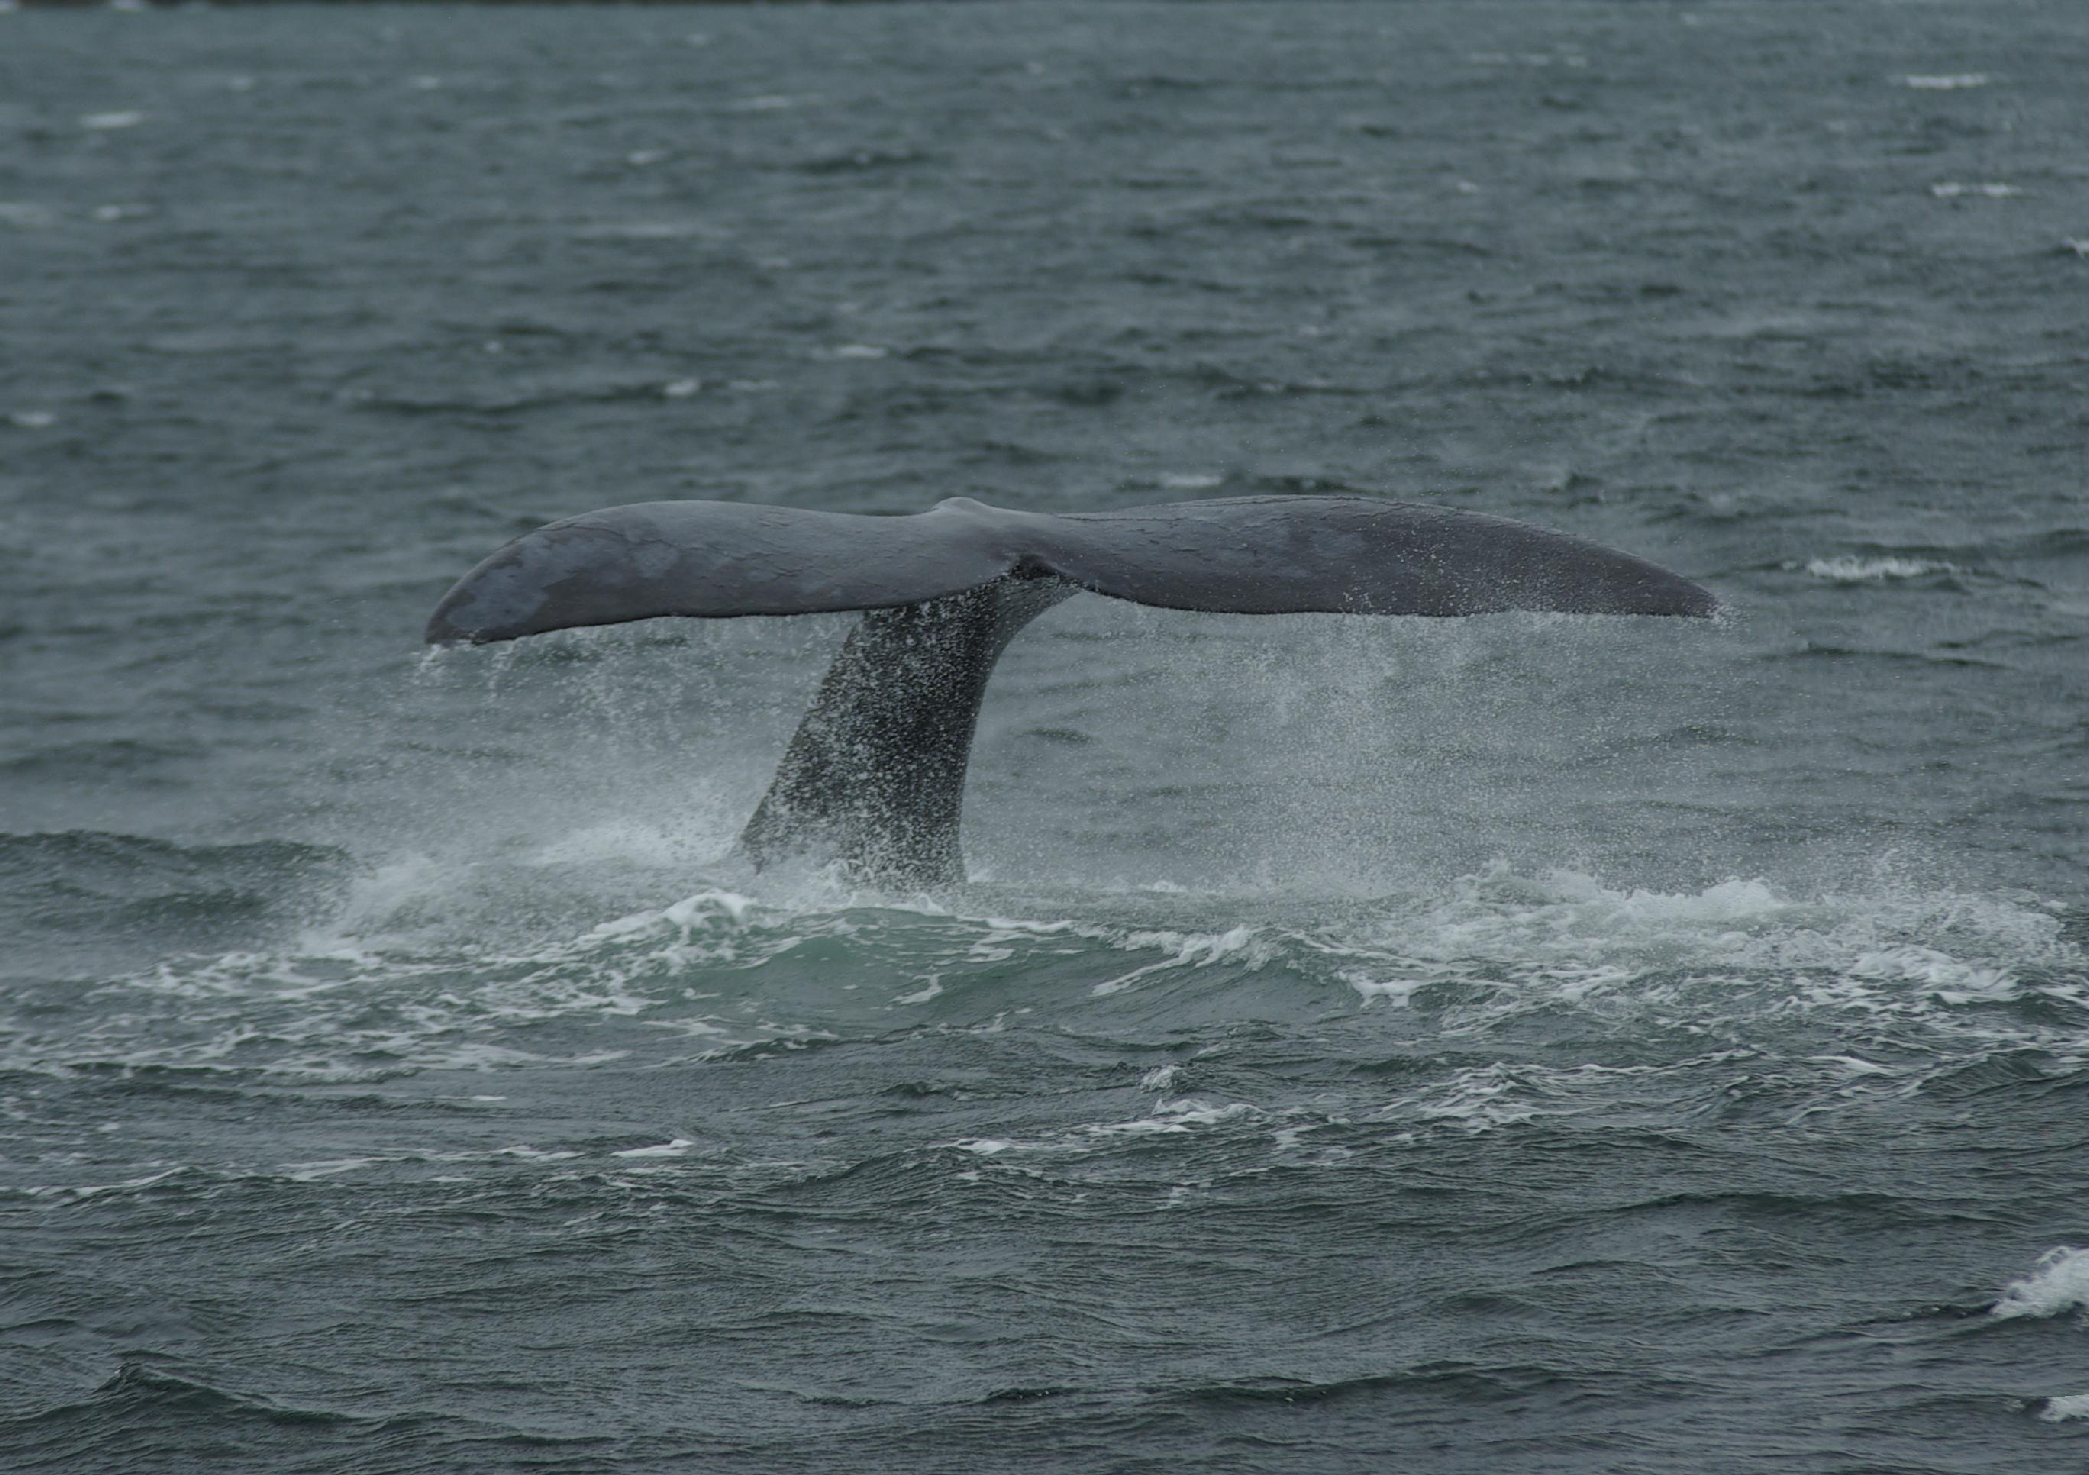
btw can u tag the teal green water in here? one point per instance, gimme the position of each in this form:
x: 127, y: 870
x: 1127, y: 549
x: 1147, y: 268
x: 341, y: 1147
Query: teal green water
x: 1516, y: 1043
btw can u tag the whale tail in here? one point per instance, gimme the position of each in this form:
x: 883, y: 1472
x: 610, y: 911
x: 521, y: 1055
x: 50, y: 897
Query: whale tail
x: 874, y: 775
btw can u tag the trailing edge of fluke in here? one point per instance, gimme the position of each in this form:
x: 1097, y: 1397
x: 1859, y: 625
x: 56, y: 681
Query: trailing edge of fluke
x: 874, y: 776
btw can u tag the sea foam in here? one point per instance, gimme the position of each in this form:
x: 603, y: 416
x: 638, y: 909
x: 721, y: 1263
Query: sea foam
x: 2057, y: 1284
x: 1849, y: 569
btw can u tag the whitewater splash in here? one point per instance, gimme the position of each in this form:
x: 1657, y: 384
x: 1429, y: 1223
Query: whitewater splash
x: 408, y: 977
x: 2058, y: 1284
x: 1849, y: 569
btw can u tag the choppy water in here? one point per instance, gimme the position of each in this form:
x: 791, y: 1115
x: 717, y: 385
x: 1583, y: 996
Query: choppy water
x: 1508, y: 1044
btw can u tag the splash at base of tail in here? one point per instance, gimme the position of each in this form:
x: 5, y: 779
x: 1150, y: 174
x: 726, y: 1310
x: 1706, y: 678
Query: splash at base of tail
x: 875, y: 774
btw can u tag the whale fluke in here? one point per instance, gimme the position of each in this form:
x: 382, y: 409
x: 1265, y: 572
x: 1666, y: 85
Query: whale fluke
x: 875, y: 774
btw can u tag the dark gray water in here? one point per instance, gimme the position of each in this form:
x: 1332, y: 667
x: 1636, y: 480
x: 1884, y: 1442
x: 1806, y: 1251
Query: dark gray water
x: 1518, y: 1043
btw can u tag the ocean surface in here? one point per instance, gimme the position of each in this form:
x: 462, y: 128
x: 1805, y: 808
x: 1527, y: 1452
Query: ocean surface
x: 1519, y: 1043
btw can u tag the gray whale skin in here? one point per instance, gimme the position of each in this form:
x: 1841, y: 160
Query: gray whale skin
x: 874, y: 776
